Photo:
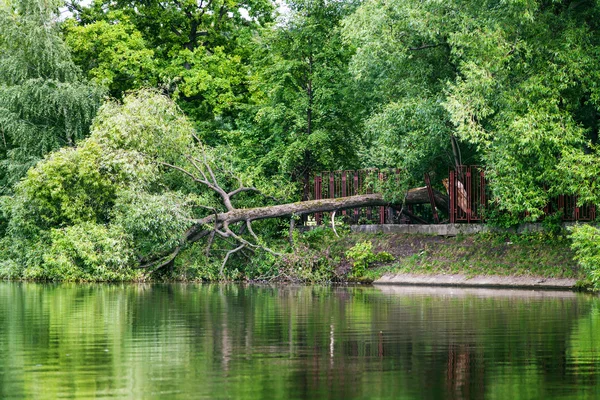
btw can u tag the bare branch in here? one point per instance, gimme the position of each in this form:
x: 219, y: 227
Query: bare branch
x: 247, y: 243
x: 188, y: 173
x: 193, y: 161
x: 243, y: 189
x: 196, y: 137
x: 333, y: 223
x: 249, y: 225
x: 291, y: 233
x: 229, y: 253
x: 215, y: 187
x: 161, y: 263
x: 207, y: 165
x: 211, y: 238
x: 252, y: 189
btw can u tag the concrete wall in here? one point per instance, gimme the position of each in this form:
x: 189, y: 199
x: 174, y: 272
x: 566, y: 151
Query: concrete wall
x: 447, y: 229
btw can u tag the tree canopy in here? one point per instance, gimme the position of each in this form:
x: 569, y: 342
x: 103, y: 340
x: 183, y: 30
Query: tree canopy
x: 211, y: 109
x: 45, y: 103
x: 515, y: 82
x: 197, y: 51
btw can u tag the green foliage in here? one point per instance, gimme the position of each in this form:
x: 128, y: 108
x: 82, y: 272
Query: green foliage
x: 103, y: 186
x: 516, y: 84
x: 316, y: 236
x: 586, y: 244
x: 193, y: 265
x: 44, y: 103
x: 495, y: 216
x: 68, y: 187
x: 553, y: 224
x: 331, y: 85
x: 196, y: 51
x: 113, y: 53
x: 87, y: 252
x: 126, y: 182
x: 362, y: 256
x: 146, y: 123
x: 154, y: 221
x: 306, y: 115
x: 407, y: 127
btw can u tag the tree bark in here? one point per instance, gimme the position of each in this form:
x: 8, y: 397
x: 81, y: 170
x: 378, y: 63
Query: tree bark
x: 420, y: 196
x: 220, y: 224
x: 414, y: 196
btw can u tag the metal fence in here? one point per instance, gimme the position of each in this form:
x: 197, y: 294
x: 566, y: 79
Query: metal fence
x: 335, y: 184
x: 469, y: 199
x: 467, y: 190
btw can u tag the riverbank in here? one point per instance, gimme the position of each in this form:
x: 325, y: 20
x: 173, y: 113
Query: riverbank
x: 534, y: 259
x: 479, y: 281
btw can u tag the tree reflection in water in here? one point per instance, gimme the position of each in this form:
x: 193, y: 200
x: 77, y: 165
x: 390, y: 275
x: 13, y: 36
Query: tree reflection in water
x: 236, y: 341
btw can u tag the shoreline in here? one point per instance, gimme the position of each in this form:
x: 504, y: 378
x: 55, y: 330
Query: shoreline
x: 478, y: 281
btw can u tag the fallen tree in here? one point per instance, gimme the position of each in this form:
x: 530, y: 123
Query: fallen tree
x: 142, y: 188
x: 220, y: 224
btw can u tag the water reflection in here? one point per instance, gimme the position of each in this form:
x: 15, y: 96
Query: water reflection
x: 232, y: 341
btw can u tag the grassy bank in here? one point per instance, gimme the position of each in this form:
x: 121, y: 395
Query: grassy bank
x: 365, y: 257
x: 481, y: 254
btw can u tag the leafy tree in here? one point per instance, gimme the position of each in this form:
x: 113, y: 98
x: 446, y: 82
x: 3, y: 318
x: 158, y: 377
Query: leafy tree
x: 401, y: 67
x: 44, y: 102
x: 199, y: 48
x: 113, y: 53
x: 515, y: 82
x: 307, y: 116
x: 146, y: 189
x: 98, y: 187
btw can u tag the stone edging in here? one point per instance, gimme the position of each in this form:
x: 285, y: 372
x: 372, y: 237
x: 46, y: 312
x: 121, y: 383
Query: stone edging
x: 447, y: 229
x: 528, y: 282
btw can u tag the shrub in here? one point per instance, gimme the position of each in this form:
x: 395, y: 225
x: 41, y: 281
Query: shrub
x: 86, y: 252
x: 362, y: 256
x: 586, y: 244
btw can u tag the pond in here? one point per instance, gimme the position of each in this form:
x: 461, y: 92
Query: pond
x: 188, y: 341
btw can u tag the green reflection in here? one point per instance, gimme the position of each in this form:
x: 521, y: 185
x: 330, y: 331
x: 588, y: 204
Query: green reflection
x: 233, y: 341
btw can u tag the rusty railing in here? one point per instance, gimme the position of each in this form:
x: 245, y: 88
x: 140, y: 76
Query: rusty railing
x: 343, y: 183
x: 469, y: 198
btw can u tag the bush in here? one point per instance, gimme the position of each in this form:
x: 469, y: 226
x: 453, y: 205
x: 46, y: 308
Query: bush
x: 586, y: 244
x: 87, y: 252
x: 193, y: 265
x: 10, y: 269
x: 362, y: 256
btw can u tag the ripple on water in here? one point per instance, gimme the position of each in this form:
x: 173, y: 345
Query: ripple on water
x: 244, y: 342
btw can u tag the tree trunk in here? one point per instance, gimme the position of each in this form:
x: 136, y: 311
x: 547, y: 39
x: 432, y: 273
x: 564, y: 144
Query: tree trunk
x: 220, y: 224
x: 203, y: 226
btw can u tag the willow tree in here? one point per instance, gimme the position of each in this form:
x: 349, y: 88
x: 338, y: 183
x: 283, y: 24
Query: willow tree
x: 44, y: 102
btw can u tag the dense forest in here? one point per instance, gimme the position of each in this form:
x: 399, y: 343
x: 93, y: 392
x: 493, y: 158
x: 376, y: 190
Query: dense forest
x: 137, y: 135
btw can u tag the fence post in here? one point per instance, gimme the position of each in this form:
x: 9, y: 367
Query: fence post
x: 381, y: 209
x: 483, y: 196
x: 344, y: 192
x: 318, y: 194
x: 355, y: 193
x: 436, y: 218
x: 469, y: 188
x: 331, y: 186
x: 451, y: 189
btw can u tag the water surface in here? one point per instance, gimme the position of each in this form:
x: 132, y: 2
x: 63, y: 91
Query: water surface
x: 256, y: 342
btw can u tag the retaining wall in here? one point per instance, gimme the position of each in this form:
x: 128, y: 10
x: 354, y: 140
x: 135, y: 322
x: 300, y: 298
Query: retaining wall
x: 448, y: 229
